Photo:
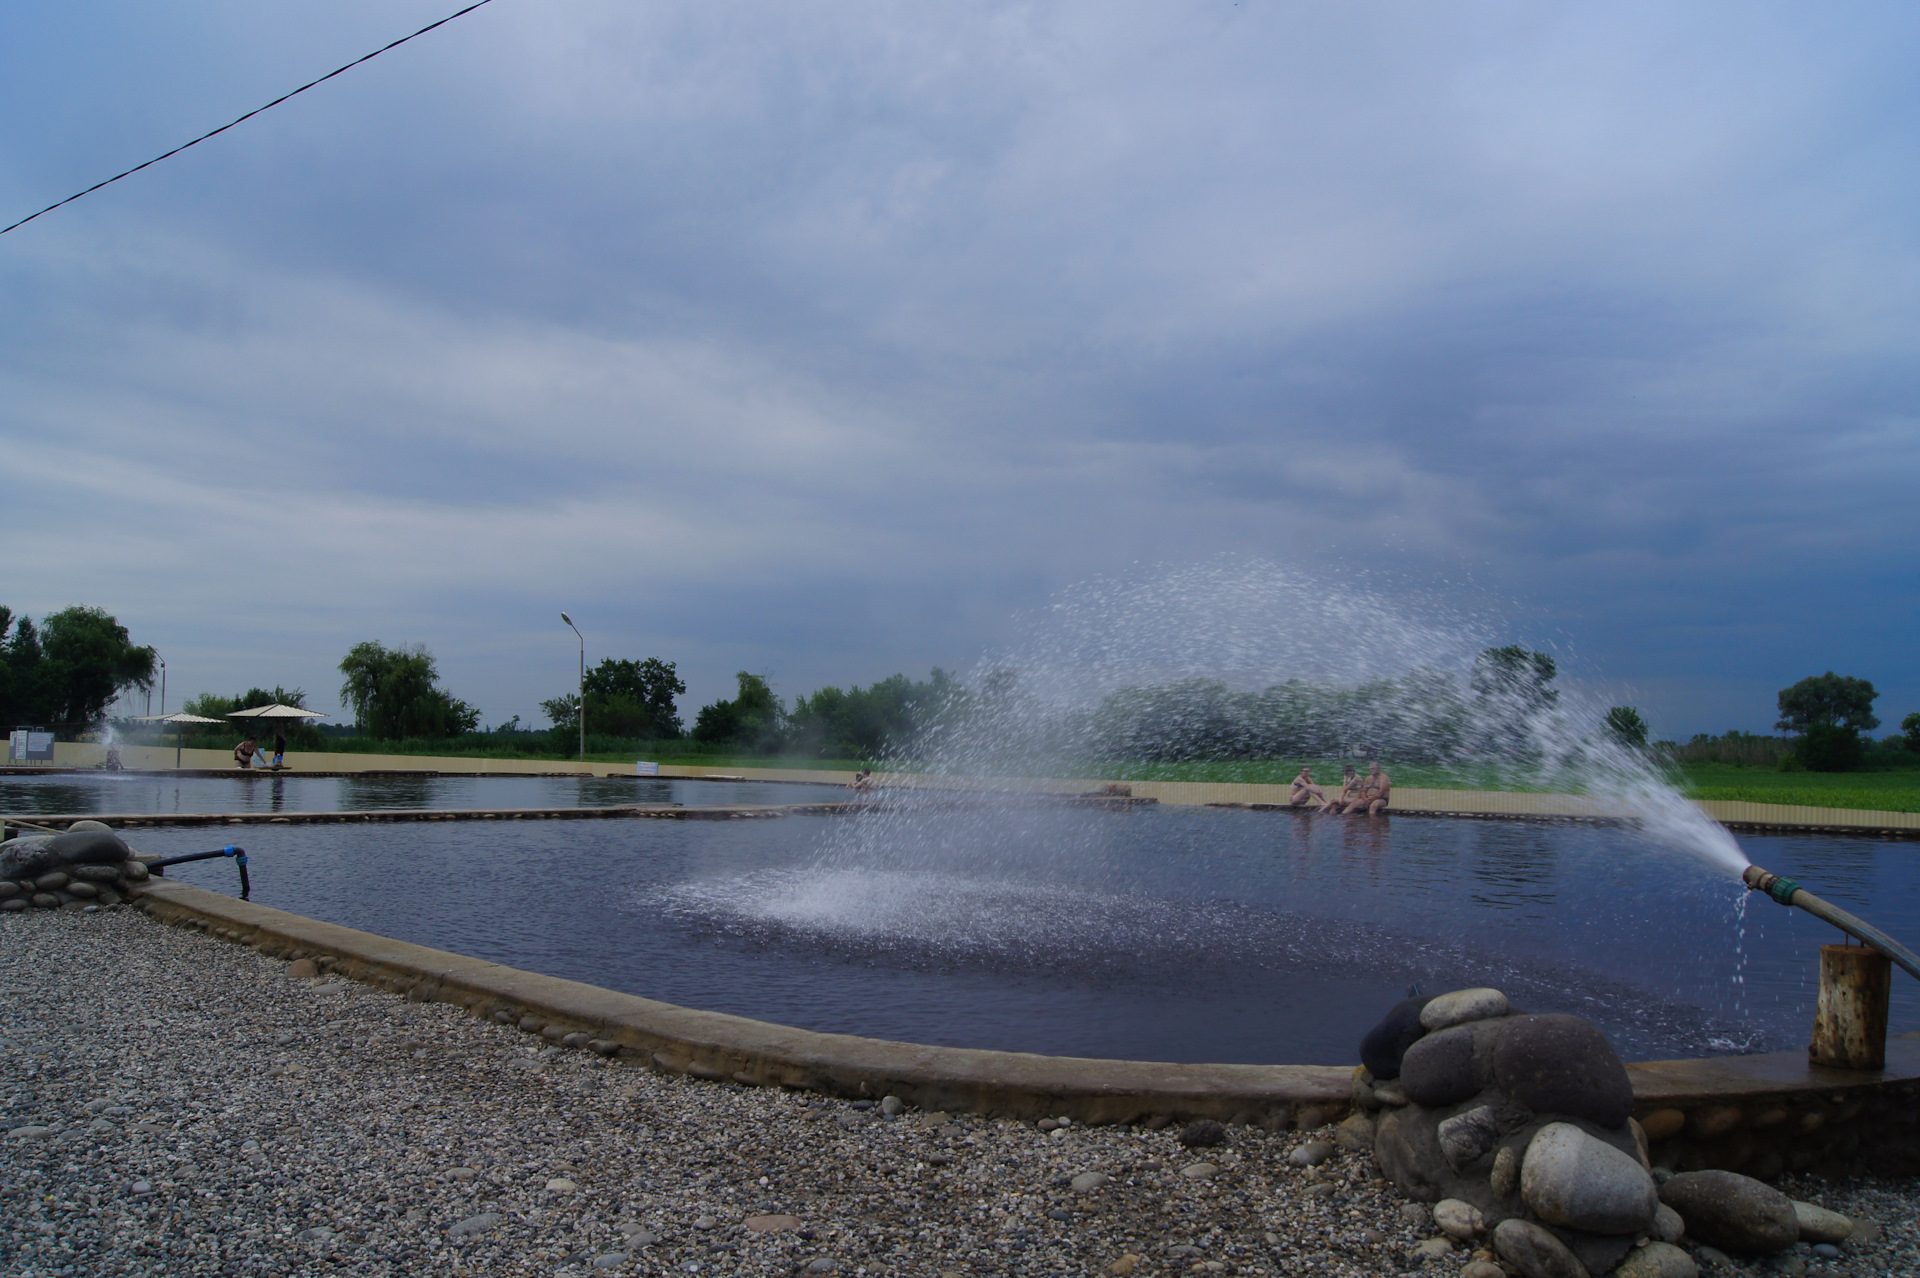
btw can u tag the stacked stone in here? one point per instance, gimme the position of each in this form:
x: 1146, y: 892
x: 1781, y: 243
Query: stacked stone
x: 87, y: 867
x: 1519, y: 1129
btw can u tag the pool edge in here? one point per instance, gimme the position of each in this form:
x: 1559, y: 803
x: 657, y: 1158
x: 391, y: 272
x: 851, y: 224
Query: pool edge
x: 1762, y: 1114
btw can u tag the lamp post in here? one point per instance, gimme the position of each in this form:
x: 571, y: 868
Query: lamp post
x: 583, y: 683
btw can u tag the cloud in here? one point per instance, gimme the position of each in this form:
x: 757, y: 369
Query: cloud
x: 823, y: 340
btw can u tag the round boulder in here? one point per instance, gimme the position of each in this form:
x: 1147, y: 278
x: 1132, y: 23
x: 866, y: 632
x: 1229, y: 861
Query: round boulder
x: 1386, y: 1043
x: 1533, y: 1251
x: 1438, y: 1069
x: 1461, y: 1006
x: 1572, y: 1180
x: 1731, y: 1211
x: 1559, y: 1064
x: 1657, y: 1260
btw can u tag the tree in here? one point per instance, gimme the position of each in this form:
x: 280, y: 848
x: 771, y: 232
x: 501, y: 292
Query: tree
x: 868, y: 723
x: 1516, y: 675
x: 1829, y: 712
x: 1512, y: 691
x: 754, y: 720
x: 1910, y: 726
x: 625, y: 699
x: 1828, y: 701
x: 1627, y: 727
x: 70, y: 668
x: 394, y: 694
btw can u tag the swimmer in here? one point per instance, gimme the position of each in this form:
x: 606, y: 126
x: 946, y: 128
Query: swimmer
x: 1304, y: 789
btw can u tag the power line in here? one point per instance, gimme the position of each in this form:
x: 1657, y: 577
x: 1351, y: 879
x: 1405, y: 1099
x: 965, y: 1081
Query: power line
x: 249, y: 115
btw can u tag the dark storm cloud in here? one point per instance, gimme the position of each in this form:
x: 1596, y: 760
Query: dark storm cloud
x: 821, y: 339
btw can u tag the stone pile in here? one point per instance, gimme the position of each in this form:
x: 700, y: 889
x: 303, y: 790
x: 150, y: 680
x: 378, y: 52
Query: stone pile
x: 1519, y: 1130
x: 87, y: 867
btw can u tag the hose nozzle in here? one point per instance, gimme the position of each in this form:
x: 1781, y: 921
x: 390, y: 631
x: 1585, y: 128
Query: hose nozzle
x: 1777, y: 886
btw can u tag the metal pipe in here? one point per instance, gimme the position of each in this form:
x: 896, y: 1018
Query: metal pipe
x: 1788, y: 892
x: 239, y: 856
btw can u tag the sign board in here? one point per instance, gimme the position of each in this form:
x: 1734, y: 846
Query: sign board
x: 25, y: 746
x: 645, y: 769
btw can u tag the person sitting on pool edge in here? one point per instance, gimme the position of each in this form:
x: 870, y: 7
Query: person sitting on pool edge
x: 1304, y: 789
x: 1348, y: 794
x: 1374, y: 791
x: 243, y: 753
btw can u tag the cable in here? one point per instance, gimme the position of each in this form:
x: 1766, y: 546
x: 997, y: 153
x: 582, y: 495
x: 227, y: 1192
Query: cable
x: 249, y: 115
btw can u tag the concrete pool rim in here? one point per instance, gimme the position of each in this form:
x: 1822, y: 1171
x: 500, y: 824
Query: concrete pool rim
x: 1762, y: 1114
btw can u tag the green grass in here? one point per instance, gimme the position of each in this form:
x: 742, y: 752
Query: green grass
x: 1891, y: 791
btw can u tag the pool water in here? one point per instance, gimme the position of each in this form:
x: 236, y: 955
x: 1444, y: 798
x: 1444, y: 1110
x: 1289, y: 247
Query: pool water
x: 265, y: 792
x: 1158, y: 933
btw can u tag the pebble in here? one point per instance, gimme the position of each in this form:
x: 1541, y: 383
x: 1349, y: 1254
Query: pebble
x: 1198, y: 1171
x: 361, y: 1145
x: 474, y: 1225
x: 772, y: 1224
x: 1458, y: 1219
x: 1311, y: 1154
x: 1206, y: 1132
x: 560, y: 1185
x: 1086, y: 1181
x: 610, y: 1260
x: 1818, y: 1225
x: 892, y: 1106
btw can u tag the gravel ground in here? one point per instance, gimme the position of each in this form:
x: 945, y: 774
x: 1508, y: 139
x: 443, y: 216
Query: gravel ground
x: 178, y: 1105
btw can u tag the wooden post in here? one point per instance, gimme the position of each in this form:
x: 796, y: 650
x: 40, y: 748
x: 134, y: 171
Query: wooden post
x: 1850, y: 1025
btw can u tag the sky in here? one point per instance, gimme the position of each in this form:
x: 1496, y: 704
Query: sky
x: 828, y: 341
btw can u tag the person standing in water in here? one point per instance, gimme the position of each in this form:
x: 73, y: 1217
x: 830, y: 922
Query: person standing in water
x: 279, y: 746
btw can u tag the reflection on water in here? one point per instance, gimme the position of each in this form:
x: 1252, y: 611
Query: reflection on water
x: 267, y: 792
x: 1153, y: 933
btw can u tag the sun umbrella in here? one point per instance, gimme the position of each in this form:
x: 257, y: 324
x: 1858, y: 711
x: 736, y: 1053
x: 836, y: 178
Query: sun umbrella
x: 180, y: 719
x: 276, y: 711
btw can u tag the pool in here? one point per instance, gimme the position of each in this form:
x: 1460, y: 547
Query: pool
x: 1151, y: 933
x: 266, y: 792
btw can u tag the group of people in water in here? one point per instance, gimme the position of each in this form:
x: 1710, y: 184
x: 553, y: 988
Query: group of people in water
x: 1357, y: 794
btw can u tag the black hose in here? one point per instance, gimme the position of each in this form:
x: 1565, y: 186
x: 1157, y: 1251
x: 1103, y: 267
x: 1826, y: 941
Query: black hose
x: 239, y: 856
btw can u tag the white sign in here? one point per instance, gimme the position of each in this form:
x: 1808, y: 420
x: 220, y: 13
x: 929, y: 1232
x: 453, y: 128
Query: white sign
x: 645, y: 769
x: 30, y: 747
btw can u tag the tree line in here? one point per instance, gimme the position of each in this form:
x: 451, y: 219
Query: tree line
x: 67, y: 670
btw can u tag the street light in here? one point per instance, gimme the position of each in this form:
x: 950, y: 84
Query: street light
x: 583, y: 683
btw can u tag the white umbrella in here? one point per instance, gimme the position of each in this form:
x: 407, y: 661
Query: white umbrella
x: 276, y: 711
x: 180, y: 718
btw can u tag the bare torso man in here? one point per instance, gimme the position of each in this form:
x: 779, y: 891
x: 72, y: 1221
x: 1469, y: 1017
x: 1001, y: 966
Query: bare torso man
x: 1304, y: 789
x: 1373, y: 793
